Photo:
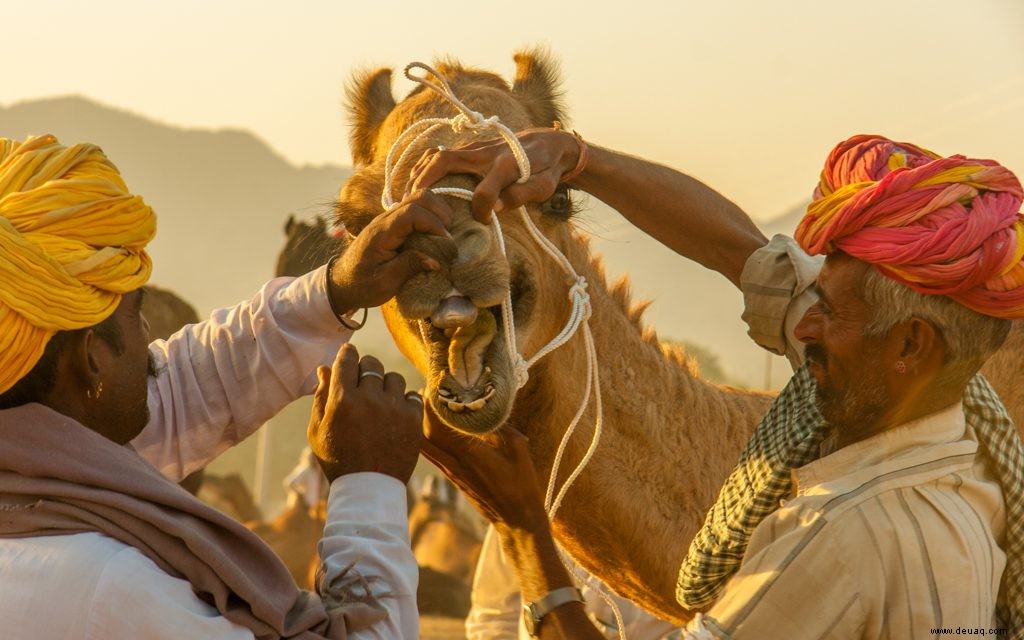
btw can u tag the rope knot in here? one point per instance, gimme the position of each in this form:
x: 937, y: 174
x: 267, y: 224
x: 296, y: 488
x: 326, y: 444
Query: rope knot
x: 521, y: 370
x: 472, y: 121
x: 578, y: 294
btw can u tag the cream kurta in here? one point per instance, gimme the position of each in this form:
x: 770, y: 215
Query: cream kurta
x: 896, y: 536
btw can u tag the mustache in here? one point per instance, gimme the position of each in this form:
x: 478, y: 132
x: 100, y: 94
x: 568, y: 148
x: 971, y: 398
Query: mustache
x: 816, y: 353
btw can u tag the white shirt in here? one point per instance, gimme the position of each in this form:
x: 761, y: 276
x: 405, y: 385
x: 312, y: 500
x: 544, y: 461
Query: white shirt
x: 219, y: 381
x: 895, y: 536
x: 497, y: 607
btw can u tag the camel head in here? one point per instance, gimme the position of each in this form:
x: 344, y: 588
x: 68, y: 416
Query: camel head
x: 449, y: 322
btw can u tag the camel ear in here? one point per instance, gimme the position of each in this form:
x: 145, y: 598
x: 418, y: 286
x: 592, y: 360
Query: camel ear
x: 289, y: 224
x: 539, y: 84
x: 369, y: 103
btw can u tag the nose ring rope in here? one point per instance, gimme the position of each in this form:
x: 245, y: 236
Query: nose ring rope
x: 468, y: 120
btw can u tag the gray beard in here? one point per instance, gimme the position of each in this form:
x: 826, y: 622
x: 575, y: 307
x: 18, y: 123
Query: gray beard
x: 855, y: 408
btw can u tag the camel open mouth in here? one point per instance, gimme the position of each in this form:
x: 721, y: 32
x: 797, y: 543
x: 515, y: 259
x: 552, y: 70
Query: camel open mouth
x: 471, y: 381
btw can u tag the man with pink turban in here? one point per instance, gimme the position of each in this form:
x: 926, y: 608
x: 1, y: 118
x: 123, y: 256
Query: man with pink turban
x: 97, y: 425
x: 882, y: 496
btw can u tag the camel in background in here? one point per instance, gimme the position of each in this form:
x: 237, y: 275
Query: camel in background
x: 670, y: 438
x: 1005, y: 370
x: 307, y: 246
x: 446, y: 546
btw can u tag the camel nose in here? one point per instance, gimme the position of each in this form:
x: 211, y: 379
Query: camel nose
x: 473, y: 240
x: 454, y: 311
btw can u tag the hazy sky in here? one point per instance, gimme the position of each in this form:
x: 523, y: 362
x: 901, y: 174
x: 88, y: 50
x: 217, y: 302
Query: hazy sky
x: 748, y: 95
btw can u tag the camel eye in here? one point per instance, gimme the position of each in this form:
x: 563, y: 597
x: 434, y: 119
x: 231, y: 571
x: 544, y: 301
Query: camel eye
x: 558, y: 205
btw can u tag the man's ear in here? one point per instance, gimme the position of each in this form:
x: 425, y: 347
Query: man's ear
x: 921, y: 346
x: 80, y: 360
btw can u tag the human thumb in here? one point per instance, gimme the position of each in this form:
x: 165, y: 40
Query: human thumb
x: 407, y: 264
x: 323, y: 386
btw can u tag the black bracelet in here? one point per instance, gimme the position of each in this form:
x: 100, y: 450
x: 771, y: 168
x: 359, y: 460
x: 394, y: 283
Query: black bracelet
x: 345, y: 322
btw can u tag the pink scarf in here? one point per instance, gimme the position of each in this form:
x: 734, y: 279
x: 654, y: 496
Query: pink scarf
x: 58, y: 478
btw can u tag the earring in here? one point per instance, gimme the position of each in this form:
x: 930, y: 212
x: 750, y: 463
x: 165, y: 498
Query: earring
x: 95, y: 395
x: 901, y: 367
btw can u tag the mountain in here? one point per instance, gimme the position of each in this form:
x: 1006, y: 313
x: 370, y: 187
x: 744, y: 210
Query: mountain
x: 221, y: 197
x: 786, y: 222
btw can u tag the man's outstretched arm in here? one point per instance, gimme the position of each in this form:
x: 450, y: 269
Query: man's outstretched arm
x: 681, y: 212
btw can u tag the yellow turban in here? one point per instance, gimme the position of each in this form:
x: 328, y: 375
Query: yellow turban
x: 72, y: 241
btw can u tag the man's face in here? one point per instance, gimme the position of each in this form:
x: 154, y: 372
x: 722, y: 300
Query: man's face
x: 848, y: 367
x: 126, y: 373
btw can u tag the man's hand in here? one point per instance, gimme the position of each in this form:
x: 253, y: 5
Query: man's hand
x: 494, y: 471
x: 552, y: 154
x: 375, y: 266
x: 362, y: 419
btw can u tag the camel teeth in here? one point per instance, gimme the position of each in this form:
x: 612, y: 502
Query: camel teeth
x: 477, y: 404
x: 488, y: 394
x: 444, y: 393
x: 487, y: 370
x: 456, y: 407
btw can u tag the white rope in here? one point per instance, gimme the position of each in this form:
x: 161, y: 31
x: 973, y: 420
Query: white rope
x: 469, y: 120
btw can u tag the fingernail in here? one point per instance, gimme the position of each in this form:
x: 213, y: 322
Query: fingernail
x: 431, y: 264
x: 498, y: 206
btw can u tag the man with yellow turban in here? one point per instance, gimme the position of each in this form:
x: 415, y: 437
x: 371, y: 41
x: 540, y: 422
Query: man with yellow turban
x: 882, y: 496
x: 96, y: 540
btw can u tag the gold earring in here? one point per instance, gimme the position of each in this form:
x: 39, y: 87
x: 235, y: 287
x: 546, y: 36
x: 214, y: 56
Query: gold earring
x: 901, y: 367
x: 95, y: 395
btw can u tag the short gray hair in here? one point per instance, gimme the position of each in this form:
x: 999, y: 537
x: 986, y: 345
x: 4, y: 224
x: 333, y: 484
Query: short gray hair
x: 970, y: 337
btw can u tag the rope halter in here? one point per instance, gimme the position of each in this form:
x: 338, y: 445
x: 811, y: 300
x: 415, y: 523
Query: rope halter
x: 469, y: 120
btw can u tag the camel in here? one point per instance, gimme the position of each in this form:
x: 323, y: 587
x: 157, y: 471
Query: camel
x: 307, y: 246
x: 166, y: 312
x: 1004, y: 371
x: 446, y: 548
x: 670, y: 437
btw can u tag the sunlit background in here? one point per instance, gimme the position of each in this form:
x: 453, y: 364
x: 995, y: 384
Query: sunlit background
x: 748, y: 95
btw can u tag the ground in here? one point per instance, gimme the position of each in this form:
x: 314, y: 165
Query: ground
x: 440, y: 628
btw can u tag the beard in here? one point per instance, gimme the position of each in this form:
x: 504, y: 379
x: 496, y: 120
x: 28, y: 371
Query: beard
x: 849, y: 407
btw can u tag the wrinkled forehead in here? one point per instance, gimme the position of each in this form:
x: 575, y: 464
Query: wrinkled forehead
x: 840, y: 281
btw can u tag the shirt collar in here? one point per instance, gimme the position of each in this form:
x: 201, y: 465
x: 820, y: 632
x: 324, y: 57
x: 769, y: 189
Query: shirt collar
x: 944, y: 426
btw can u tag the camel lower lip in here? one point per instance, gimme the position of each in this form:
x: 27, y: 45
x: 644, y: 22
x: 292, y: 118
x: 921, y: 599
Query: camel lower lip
x: 480, y: 406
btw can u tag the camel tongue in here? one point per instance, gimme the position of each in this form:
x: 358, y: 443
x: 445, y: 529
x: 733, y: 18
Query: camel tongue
x: 467, y: 349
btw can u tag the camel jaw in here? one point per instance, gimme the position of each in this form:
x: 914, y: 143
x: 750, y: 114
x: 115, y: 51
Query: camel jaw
x: 471, y: 387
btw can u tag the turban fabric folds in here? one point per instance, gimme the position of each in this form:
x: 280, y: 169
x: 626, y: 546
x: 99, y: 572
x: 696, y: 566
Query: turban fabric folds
x: 945, y: 226
x: 72, y: 241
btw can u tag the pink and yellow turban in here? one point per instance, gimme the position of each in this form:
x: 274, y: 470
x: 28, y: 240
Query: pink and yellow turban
x: 945, y: 226
x: 72, y: 241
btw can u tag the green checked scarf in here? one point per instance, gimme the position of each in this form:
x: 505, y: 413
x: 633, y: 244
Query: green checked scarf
x: 789, y: 437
